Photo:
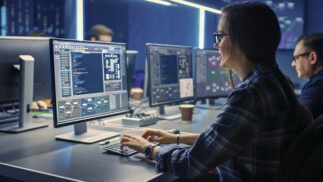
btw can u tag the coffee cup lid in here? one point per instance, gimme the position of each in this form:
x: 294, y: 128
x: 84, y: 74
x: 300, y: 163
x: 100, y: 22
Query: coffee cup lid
x: 136, y: 90
x: 186, y: 106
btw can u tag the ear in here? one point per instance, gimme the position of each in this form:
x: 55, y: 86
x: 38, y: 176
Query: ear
x: 313, y: 58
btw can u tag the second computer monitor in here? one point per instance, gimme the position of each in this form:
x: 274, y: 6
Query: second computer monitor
x: 211, y: 81
x: 10, y: 49
x: 170, y: 74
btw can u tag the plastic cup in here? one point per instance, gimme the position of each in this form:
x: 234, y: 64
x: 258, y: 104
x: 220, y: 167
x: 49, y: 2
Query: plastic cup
x: 187, y: 111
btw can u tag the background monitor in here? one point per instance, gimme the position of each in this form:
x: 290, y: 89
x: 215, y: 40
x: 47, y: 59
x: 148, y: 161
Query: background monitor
x: 131, y: 63
x: 10, y: 49
x: 90, y: 82
x: 170, y: 74
x: 211, y: 81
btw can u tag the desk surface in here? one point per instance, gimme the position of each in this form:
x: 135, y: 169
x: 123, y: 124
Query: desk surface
x: 38, y: 150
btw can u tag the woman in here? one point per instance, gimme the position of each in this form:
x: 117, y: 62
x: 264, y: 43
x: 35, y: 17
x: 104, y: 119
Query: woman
x: 258, y: 123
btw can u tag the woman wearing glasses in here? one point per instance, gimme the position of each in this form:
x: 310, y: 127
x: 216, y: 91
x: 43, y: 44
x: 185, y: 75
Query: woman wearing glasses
x: 249, y: 138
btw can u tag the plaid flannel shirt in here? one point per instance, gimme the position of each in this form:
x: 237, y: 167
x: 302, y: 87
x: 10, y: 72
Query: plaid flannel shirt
x: 247, y: 140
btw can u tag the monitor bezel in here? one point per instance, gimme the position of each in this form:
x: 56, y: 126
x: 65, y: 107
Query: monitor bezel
x: 196, y: 97
x: 149, y: 73
x: 53, y: 81
x: 131, y: 52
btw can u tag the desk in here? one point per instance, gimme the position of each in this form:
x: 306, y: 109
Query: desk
x: 38, y: 150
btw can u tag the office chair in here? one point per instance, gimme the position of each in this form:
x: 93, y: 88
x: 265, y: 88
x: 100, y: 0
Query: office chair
x: 304, y: 159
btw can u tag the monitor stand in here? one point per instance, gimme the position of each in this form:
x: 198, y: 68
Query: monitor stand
x: 26, y: 95
x: 170, y: 116
x: 82, y: 135
x: 208, y: 106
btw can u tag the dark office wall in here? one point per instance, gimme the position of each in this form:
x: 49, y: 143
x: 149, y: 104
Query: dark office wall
x: 314, y: 14
x: 211, y: 26
x: 70, y: 19
x: 111, y: 13
x: 150, y: 22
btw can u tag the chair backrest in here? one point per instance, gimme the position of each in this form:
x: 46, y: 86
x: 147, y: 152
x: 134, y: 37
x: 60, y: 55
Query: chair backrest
x: 304, y: 158
x: 311, y: 170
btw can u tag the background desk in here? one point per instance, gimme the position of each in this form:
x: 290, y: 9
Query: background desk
x: 38, y: 150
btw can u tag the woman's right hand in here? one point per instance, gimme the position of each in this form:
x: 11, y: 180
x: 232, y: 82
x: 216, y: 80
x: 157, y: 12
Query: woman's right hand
x: 160, y: 136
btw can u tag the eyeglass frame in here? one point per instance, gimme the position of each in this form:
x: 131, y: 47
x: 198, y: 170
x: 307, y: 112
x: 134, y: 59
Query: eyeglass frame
x: 218, y: 37
x: 300, y: 55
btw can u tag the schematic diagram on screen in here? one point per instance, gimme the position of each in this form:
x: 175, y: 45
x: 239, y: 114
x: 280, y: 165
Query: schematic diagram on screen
x: 112, y: 69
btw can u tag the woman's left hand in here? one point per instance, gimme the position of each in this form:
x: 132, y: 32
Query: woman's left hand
x: 135, y: 142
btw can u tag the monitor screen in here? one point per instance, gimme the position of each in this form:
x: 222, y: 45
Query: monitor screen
x: 10, y: 49
x: 90, y: 80
x: 210, y: 79
x: 170, y: 74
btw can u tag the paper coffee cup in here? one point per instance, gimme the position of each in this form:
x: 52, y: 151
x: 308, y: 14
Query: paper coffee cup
x: 136, y: 93
x: 187, y: 111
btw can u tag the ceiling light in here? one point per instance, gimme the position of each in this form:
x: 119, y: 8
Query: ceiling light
x: 160, y: 2
x: 213, y: 10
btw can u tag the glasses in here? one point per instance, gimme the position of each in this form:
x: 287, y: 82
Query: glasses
x: 218, y: 37
x: 299, y: 55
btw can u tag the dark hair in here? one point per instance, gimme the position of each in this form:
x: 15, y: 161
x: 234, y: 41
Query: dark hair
x: 313, y: 42
x: 253, y: 26
x: 98, y: 30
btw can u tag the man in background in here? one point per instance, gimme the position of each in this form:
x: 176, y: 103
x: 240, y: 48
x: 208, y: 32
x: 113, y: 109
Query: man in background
x: 101, y: 33
x: 308, y: 61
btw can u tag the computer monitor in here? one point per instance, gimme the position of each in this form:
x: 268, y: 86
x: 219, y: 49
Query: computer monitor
x: 24, y: 77
x: 131, y: 63
x: 10, y: 49
x: 170, y: 75
x: 211, y: 81
x: 89, y: 83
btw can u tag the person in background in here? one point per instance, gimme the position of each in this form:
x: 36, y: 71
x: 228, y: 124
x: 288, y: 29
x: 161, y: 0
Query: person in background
x: 101, y: 33
x: 308, y: 62
x: 260, y: 120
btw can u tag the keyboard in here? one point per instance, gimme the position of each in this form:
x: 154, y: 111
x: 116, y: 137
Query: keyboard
x: 8, y: 118
x: 113, y: 146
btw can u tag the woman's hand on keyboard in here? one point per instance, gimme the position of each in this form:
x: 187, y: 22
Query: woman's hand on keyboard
x: 135, y: 142
x: 160, y: 136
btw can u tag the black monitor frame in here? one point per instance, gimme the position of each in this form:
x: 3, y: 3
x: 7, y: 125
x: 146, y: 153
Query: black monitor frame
x: 56, y: 123
x: 150, y: 79
x: 132, y: 56
x: 196, y: 97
